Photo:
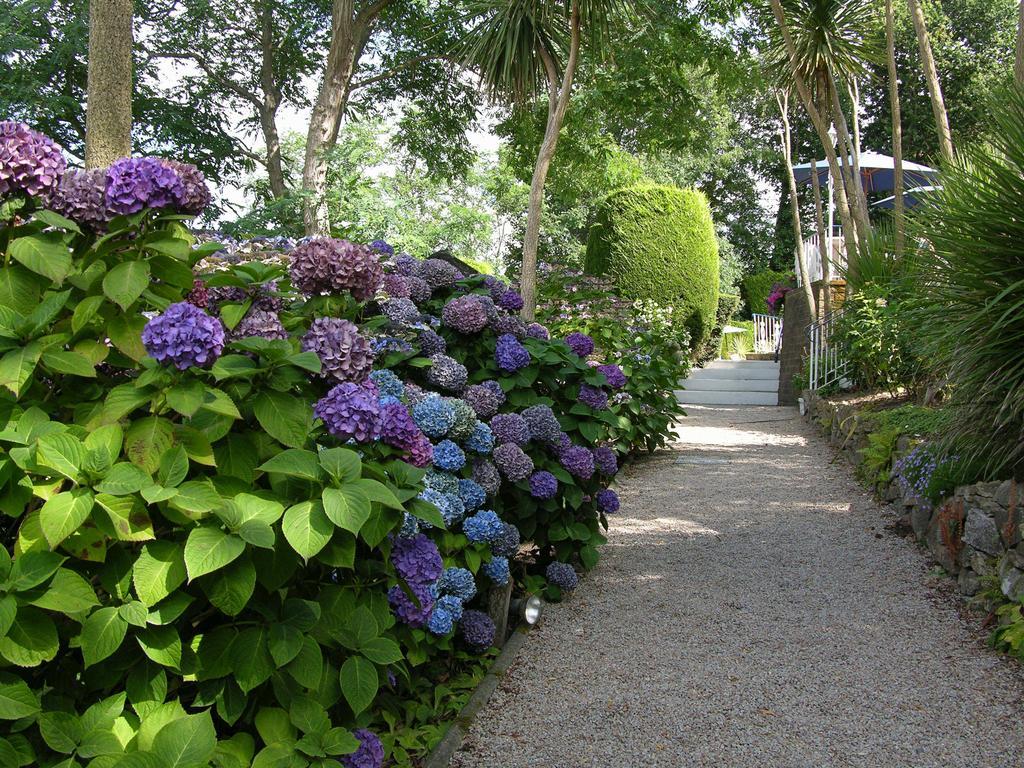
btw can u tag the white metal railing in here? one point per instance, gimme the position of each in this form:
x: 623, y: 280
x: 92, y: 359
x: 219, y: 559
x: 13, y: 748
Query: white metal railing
x: 812, y: 255
x: 767, y: 334
x: 828, y: 363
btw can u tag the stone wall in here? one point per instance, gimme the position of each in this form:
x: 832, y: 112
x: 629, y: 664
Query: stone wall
x: 794, y: 345
x: 974, y: 535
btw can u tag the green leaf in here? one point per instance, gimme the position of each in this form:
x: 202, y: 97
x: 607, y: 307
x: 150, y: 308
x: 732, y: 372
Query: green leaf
x: 19, y: 289
x: 286, y: 418
x: 173, y: 467
x: 16, y: 698
x: 209, y: 549
x: 232, y: 314
x: 273, y: 725
x: 123, y: 479
x: 219, y: 402
x: 236, y: 456
x: 309, y: 361
x: 187, y: 742
x: 196, y: 497
x: 307, y: 528
x: 308, y: 715
x: 257, y: 533
x: 381, y: 650
x: 159, y: 570
x: 253, y: 664
x: 67, y: 593
x: 16, y: 367
x: 346, y: 510
x: 32, y: 569
x: 339, y: 741
x: 196, y: 444
x: 125, y: 334
x: 102, y: 634
x: 71, y: 363
x: 186, y: 398
x: 62, y: 731
x: 359, y: 682
x: 251, y: 507
x: 8, y: 609
x: 230, y: 366
x: 64, y: 514
x: 162, y: 645
x: 342, y: 464
x: 31, y: 640
x: 285, y: 643
x: 125, y: 283
x: 146, y: 441
x: 169, y: 610
x: 44, y: 253
x: 308, y: 667
x: 294, y: 463
x: 85, y: 312
x: 427, y: 511
x: 231, y: 588
x: 62, y: 453
x: 54, y: 219
x: 134, y: 613
x: 377, y: 491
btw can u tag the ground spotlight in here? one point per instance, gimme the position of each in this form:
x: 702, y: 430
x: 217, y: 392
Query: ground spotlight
x: 527, y: 609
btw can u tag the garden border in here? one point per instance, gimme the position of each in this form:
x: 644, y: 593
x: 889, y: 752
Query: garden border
x: 441, y: 755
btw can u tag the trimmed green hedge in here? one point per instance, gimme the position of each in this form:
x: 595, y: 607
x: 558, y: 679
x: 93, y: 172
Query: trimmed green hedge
x: 756, y: 288
x: 659, y: 243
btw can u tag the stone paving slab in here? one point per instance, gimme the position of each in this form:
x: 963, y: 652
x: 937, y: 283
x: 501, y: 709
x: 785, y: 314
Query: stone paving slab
x: 751, y: 609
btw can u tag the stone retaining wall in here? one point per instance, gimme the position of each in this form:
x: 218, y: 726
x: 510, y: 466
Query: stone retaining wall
x: 974, y: 534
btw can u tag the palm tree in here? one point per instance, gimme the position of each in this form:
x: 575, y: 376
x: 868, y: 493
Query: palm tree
x: 897, y: 127
x: 785, y: 137
x: 525, y: 48
x: 931, y: 76
x: 108, y: 115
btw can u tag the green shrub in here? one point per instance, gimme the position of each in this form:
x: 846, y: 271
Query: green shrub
x: 658, y: 243
x: 971, y: 275
x: 738, y: 343
x: 755, y: 289
x: 727, y: 305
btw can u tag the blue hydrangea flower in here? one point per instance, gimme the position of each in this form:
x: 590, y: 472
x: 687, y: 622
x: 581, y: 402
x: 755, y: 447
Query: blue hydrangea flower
x: 388, y: 384
x: 563, y: 576
x: 442, y: 482
x: 436, y: 498
x: 452, y: 604
x: 441, y: 621
x: 472, y: 494
x: 507, y: 545
x: 497, y: 570
x: 484, y: 526
x: 482, y: 439
x: 434, y: 416
x: 448, y: 456
x: 388, y: 400
x: 410, y: 526
x: 453, y: 510
x: 458, y: 582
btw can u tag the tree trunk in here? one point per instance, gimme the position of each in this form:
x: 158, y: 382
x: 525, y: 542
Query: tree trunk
x: 931, y: 76
x: 270, y: 102
x: 897, y: 130
x: 108, y: 117
x: 558, y: 105
x: 794, y: 203
x: 1018, y: 68
x: 824, y: 242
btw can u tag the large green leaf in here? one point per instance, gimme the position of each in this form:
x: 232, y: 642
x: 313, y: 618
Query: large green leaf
x: 71, y: 363
x: 162, y: 645
x: 102, y: 634
x: 230, y: 588
x: 308, y: 667
x: 381, y: 650
x: 62, y: 731
x: 253, y: 664
x: 68, y: 593
x: 286, y: 418
x: 346, y: 509
x: 146, y: 440
x: 16, y: 367
x: 209, y: 549
x: 19, y: 289
x: 126, y: 334
x: 16, y: 699
x: 187, y: 742
x: 342, y: 464
x: 125, y: 283
x: 159, y: 570
x: 64, y: 513
x: 62, y: 453
x: 44, y: 253
x: 31, y: 640
x: 123, y: 479
x: 307, y: 528
x: 294, y: 462
x: 359, y: 682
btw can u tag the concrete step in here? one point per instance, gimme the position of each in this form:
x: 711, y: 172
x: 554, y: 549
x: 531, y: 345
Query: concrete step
x: 722, y: 384
x: 751, y: 370
x: 701, y: 397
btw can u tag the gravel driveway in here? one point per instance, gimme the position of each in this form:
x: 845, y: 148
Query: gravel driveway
x: 751, y: 610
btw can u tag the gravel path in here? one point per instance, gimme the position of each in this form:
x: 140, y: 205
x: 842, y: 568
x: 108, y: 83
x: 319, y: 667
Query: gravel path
x: 751, y: 610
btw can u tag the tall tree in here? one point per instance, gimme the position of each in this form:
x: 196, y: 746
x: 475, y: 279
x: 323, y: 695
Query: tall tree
x: 108, y: 123
x: 785, y: 136
x: 522, y: 48
x: 1018, y: 67
x: 932, y: 79
x: 897, y: 127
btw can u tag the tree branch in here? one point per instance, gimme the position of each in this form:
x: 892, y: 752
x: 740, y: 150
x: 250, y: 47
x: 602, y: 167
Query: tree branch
x: 226, y: 82
x: 401, y: 67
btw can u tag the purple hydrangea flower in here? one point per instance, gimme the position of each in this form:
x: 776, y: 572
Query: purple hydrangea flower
x: 441, y: 621
x: 510, y: 428
x: 562, y: 575
x: 510, y: 355
x: 538, y: 331
x: 405, y: 264
x: 614, y: 375
x: 195, y: 195
x: 398, y: 430
x: 184, y: 336
x: 431, y: 343
x: 477, y: 630
x: 507, y: 543
x: 595, y: 397
x: 82, y: 197
x: 199, y: 296
x: 543, y: 485
x: 351, y: 412
x: 416, y: 560
x: 543, y: 423
x: 437, y: 273
x: 396, y: 286
x: 607, y: 501
x: 452, y: 605
x: 382, y: 247
x: 266, y: 325
x: 465, y: 314
x: 447, y: 373
x: 578, y: 462
x: 580, y: 343
x: 134, y: 183
x: 496, y: 286
x: 513, y: 463
x: 387, y: 383
x: 30, y: 163
x: 605, y: 461
x: 400, y: 311
x: 485, y: 474
x: 419, y: 289
x: 370, y: 753
x: 509, y: 324
x: 405, y: 607
x: 496, y: 388
x: 482, y: 400
x: 510, y: 300
x: 344, y: 354
x: 327, y: 265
